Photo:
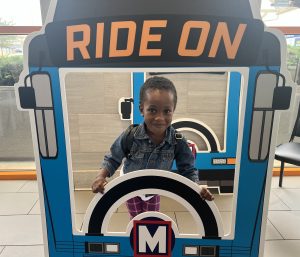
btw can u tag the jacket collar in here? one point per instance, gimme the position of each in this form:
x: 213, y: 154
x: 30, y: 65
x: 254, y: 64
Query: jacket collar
x: 142, y: 134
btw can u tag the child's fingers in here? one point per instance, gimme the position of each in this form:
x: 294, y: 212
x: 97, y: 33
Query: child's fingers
x: 101, y: 187
x: 98, y: 187
x: 206, y: 195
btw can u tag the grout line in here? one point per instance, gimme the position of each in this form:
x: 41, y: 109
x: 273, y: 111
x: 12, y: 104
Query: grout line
x: 289, y: 209
x: 176, y: 221
x: 282, y: 240
x: 280, y: 199
x: 33, y: 206
x: 19, y: 193
x: 276, y: 229
x: 16, y: 215
x: 283, y: 210
x: 82, y: 213
x: 23, y: 245
x: 22, y: 186
x: 2, y: 249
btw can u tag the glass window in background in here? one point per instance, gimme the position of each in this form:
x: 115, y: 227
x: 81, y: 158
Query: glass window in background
x: 11, y: 58
x: 293, y: 56
x: 286, y: 3
x: 15, y: 13
x: 20, y: 13
x: 16, y: 151
x: 284, y: 15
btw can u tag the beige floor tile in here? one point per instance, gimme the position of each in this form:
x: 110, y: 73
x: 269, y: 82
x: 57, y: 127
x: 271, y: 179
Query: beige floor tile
x: 29, y: 187
x: 122, y: 208
x: 36, y: 209
x: 118, y: 222
x: 172, y: 215
x: 271, y: 232
x: 78, y: 221
x: 282, y: 248
x: 23, y: 251
x: 226, y: 220
x: 167, y: 204
x: 13, y: 166
x: 278, y: 163
x: 274, y: 182
x: 224, y: 202
x: 286, y: 222
x: 287, y: 182
x: 21, y: 230
x: 11, y: 186
x: 82, y: 200
x: 1, y: 249
x: 290, y: 197
x: 275, y: 203
x: 16, y: 203
x: 186, y: 223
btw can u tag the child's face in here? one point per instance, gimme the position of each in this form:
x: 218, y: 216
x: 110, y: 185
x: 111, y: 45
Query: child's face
x: 158, y: 109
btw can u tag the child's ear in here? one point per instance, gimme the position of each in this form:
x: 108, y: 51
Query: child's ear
x: 141, y: 108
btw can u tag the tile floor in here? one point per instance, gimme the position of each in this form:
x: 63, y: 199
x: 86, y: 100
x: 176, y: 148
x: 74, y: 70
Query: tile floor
x: 21, y: 230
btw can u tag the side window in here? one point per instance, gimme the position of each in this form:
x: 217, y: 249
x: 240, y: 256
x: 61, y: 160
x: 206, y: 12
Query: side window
x: 44, y: 114
x: 263, y: 114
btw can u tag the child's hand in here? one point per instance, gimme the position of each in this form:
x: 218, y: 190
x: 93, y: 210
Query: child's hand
x: 206, y: 195
x: 98, y: 184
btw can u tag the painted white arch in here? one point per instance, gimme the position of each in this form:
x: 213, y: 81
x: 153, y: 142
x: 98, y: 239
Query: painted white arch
x: 198, y: 133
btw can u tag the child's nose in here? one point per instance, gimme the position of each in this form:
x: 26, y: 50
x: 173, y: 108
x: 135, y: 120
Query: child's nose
x: 159, y: 116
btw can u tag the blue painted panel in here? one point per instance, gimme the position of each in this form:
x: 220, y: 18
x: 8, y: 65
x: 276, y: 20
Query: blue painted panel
x: 138, y: 81
x: 250, y: 199
x: 55, y: 171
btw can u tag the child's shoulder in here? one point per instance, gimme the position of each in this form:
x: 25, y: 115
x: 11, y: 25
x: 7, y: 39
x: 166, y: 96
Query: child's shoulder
x: 128, y: 137
x: 131, y: 128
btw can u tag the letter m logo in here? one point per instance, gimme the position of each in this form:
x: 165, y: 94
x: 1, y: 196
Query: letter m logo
x: 152, y: 238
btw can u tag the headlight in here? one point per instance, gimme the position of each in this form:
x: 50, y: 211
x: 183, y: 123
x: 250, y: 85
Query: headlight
x: 112, y: 248
x: 196, y: 250
x: 191, y: 250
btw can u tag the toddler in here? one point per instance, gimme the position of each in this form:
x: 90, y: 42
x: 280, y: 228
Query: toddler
x: 155, y: 145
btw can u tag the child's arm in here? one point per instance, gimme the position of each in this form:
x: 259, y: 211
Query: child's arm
x: 100, y: 181
x: 185, y: 162
x: 110, y: 164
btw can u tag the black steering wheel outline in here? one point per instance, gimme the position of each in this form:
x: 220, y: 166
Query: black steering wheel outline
x: 137, y: 183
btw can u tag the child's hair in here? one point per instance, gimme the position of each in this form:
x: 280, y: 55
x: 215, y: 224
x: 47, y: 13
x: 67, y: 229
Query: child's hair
x: 158, y: 83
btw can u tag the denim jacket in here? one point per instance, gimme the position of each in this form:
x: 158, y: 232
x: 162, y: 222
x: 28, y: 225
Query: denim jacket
x: 146, y: 155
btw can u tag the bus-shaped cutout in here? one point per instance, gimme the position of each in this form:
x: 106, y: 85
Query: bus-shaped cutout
x: 206, y: 215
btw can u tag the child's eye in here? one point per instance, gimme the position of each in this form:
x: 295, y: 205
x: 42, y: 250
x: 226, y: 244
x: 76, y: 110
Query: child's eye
x: 168, y: 111
x: 152, y: 110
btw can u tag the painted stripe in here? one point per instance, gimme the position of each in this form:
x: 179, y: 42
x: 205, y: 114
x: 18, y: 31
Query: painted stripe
x: 18, y: 175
